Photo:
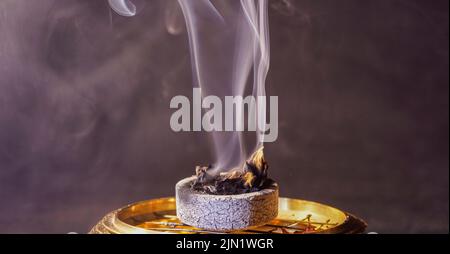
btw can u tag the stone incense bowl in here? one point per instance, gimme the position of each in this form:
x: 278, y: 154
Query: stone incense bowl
x: 225, y: 212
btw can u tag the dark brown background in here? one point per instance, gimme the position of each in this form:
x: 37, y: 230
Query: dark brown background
x: 84, y: 110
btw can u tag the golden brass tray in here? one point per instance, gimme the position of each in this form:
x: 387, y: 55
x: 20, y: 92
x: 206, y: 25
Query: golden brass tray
x: 158, y: 216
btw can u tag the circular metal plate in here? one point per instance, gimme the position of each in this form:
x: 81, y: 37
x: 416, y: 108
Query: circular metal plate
x: 158, y: 216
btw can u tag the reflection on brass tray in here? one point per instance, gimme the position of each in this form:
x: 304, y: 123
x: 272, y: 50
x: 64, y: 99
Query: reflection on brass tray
x: 295, y: 217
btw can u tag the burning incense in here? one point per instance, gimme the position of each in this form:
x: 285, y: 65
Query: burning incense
x: 229, y: 43
x: 252, y: 177
x: 235, y: 200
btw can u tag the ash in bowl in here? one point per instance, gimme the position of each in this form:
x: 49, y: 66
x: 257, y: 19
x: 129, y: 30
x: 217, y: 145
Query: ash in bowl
x: 251, y: 178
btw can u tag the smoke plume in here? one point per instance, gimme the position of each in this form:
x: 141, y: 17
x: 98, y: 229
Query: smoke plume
x: 229, y: 43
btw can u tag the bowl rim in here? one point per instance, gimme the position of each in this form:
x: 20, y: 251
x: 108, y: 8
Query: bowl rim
x: 184, y: 186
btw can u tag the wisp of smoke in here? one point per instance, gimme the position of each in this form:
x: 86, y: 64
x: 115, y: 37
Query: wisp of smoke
x: 123, y: 7
x: 229, y: 43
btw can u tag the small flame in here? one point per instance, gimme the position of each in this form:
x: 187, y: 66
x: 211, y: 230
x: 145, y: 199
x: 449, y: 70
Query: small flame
x: 249, y: 178
x: 257, y: 159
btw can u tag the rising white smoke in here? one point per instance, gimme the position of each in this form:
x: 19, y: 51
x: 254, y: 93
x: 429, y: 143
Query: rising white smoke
x: 229, y: 42
x: 123, y: 7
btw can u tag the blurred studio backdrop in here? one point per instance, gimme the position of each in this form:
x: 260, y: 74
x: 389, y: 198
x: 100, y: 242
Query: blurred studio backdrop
x: 84, y: 109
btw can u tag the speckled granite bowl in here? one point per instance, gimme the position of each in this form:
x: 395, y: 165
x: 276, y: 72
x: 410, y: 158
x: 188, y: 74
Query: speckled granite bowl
x: 225, y: 212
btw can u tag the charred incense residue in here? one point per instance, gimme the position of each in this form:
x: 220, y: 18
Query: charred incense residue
x: 252, y: 177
